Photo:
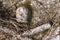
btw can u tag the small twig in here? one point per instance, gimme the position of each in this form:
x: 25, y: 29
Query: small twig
x: 11, y: 32
x: 14, y: 25
x: 13, y: 4
x: 52, y: 36
x: 6, y: 30
x: 23, y: 38
x: 50, y: 32
x: 37, y: 29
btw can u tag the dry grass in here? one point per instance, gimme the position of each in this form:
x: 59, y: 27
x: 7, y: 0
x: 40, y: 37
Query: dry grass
x: 46, y: 11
